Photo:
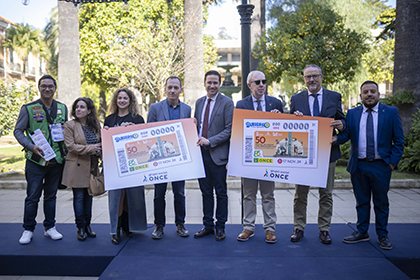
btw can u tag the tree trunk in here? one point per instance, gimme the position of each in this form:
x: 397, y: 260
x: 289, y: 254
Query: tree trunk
x: 194, y: 58
x: 407, y: 56
x: 69, y: 88
x: 102, y: 106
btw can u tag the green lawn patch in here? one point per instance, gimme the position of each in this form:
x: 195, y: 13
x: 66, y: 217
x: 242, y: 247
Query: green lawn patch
x: 341, y: 173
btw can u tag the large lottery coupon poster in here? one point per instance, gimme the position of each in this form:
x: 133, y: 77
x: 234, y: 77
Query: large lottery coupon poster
x: 280, y: 147
x: 151, y: 153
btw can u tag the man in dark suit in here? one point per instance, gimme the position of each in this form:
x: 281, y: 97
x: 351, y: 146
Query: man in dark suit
x: 214, y: 113
x: 317, y: 102
x: 170, y: 109
x: 259, y: 101
x: 377, y: 144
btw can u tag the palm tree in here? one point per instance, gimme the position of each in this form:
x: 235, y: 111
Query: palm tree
x: 23, y: 39
x: 51, y: 41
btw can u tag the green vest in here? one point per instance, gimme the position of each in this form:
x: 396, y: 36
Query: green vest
x: 38, y: 119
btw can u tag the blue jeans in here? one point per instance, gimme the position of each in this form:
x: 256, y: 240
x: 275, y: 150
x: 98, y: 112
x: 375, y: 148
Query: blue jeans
x: 215, y: 179
x: 41, y: 178
x: 82, y: 205
x: 160, y: 204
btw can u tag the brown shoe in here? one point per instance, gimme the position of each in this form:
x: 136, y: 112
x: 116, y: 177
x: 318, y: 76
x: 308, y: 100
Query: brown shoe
x: 297, y: 235
x: 245, y: 235
x: 325, y: 237
x: 270, y: 237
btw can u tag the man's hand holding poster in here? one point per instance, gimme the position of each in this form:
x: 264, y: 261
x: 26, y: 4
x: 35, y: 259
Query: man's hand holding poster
x: 280, y: 147
x: 153, y: 153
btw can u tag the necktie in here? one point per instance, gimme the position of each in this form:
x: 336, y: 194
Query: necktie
x: 206, y: 120
x: 315, y: 112
x: 259, y: 105
x: 370, y: 140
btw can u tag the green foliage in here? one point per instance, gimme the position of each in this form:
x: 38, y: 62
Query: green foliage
x: 312, y: 34
x: 11, y: 99
x: 410, y: 161
x: 399, y: 97
x: 51, y: 41
x: 379, y: 61
x: 138, y: 49
x: 345, y: 150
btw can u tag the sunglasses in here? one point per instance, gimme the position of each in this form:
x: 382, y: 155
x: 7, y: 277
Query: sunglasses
x: 257, y: 82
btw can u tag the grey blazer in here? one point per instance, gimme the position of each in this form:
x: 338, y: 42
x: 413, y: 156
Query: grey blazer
x: 220, y: 126
x: 270, y: 103
x: 159, y: 111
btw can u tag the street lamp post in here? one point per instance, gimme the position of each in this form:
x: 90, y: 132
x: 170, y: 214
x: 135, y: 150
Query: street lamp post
x: 245, y: 11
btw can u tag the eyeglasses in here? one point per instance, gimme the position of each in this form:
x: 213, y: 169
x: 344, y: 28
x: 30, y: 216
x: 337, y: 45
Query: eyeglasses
x: 257, y: 82
x: 47, y: 87
x: 315, y: 77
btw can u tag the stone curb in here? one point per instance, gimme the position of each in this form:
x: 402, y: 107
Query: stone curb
x: 16, y: 180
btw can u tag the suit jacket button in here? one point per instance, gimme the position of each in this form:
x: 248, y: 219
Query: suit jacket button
x: 78, y: 164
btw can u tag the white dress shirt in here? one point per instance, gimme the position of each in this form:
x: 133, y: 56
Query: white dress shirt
x: 311, y: 100
x: 213, y: 101
x: 362, y: 131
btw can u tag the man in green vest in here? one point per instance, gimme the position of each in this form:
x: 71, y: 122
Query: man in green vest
x: 44, y: 162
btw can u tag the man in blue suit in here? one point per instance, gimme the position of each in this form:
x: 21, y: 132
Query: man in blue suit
x: 317, y: 102
x: 170, y: 109
x: 259, y: 101
x: 214, y: 113
x: 377, y: 144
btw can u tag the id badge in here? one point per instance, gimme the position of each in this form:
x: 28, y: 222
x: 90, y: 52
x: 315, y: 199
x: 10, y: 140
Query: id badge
x: 57, y: 132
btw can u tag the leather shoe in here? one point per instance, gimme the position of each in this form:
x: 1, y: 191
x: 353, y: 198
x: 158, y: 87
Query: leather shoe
x: 90, y: 232
x: 270, y: 237
x: 297, y: 235
x: 182, y: 230
x: 158, y: 232
x: 245, y: 235
x: 325, y: 237
x: 220, y: 234
x: 81, y: 234
x: 204, y: 232
x: 356, y: 237
x: 384, y: 242
x: 115, y: 238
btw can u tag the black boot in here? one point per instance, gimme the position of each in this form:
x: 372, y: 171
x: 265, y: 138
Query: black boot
x: 124, y: 225
x: 81, y: 234
x: 115, y: 238
x: 89, y: 231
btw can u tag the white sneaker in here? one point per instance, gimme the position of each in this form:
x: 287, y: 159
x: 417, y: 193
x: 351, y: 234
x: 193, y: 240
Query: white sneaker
x: 26, y: 237
x: 53, y: 234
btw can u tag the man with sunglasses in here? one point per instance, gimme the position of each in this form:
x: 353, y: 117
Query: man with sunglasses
x: 49, y: 116
x: 317, y: 102
x: 259, y: 101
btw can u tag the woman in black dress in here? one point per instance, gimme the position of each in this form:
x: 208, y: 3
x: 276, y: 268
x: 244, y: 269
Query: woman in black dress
x: 127, y: 208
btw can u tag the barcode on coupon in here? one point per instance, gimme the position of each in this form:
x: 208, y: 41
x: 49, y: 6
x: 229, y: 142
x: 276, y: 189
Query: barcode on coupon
x: 248, y: 149
x: 122, y: 161
x: 311, y: 147
x: 182, y: 146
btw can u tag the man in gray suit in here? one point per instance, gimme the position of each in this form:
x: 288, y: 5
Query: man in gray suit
x: 214, y: 113
x: 317, y: 102
x: 259, y: 101
x: 170, y: 109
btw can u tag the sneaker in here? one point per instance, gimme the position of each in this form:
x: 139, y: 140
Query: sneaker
x: 26, y: 237
x: 384, y: 242
x: 53, y: 234
x: 356, y: 237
